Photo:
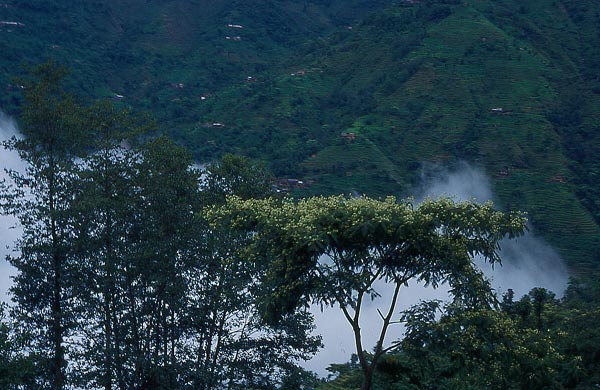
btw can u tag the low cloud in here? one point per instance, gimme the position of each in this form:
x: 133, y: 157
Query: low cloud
x: 9, y: 229
x: 527, y: 262
x: 462, y: 182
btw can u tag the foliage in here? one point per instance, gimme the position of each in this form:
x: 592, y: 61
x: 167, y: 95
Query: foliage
x: 481, y: 349
x: 42, y: 199
x: 121, y: 282
x: 432, y: 241
x: 130, y: 48
x: 16, y: 369
x: 237, y: 175
x: 415, y: 82
x: 331, y: 250
x: 452, y: 346
x: 235, y: 345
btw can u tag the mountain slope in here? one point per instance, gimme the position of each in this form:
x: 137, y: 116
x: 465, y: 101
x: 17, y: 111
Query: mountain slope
x: 486, y: 82
x: 351, y: 95
x: 162, y: 56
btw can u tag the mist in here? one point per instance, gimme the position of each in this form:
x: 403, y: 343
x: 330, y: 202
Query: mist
x: 9, y: 229
x: 527, y: 262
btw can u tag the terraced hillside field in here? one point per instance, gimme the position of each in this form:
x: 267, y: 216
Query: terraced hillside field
x: 352, y: 95
x: 483, y: 82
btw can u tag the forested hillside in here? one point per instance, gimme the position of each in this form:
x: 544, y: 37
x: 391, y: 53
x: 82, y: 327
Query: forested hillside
x: 137, y: 269
x: 163, y: 56
x: 510, y: 88
x: 352, y: 96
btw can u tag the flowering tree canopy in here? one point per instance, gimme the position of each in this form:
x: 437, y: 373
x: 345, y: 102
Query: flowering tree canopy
x: 331, y: 250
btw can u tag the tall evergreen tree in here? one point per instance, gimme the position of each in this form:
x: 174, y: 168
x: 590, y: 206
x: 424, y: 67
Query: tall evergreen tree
x: 42, y: 199
x: 165, y: 247
x: 105, y: 220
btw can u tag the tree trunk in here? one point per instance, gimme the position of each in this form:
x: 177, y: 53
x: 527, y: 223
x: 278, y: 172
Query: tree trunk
x: 368, y: 378
x: 58, y: 358
x: 108, y: 283
x: 108, y: 334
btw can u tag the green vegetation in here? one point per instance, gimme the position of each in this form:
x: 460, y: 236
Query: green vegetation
x: 137, y: 270
x: 536, y: 342
x: 121, y: 282
x: 127, y: 279
x: 162, y: 56
x: 332, y: 251
x: 509, y: 87
x: 489, y: 82
x: 346, y: 96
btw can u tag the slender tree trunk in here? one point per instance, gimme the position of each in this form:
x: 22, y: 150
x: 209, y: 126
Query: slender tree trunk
x: 173, y: 338
x: 107, y: 346
x: 366, y: 368
x: 369, y: 368
x: 108, y: 283
x: 133, y: 328
x: 108, y: 292
x: 118, y: 359
x: 108, y: 336
x: 368, y: 378
x: 58, y: 358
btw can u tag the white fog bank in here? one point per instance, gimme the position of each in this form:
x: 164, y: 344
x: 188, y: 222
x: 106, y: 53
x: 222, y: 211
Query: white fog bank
x: 527, y: 262
x: 9, y: 231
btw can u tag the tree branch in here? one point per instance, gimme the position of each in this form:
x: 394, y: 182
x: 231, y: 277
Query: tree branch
x: 386, y: 323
